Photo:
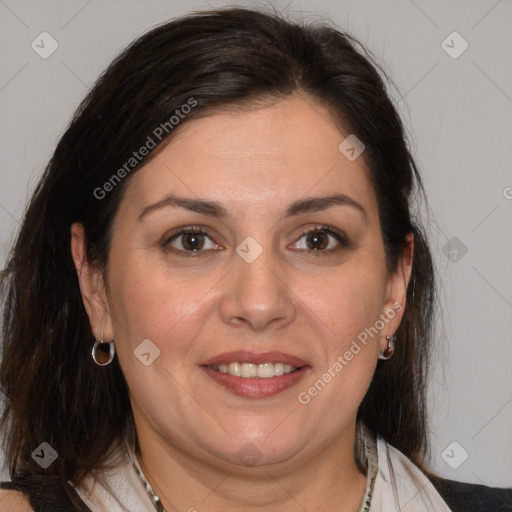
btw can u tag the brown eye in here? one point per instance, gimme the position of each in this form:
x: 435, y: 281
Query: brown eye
x: 321, y: 240
x: 189, y: 241
x: 317, y: 240
x: 192, y: 241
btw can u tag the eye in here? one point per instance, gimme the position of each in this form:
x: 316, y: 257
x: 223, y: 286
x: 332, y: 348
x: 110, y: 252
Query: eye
x: 191, y: 240
x: 322, y: 239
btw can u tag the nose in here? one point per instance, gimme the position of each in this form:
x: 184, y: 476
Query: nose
x: 257, y: 295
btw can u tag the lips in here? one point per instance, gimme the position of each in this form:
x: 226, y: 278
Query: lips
x: 256, y: 387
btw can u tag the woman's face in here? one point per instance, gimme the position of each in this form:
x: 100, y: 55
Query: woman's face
x: 256, y: 285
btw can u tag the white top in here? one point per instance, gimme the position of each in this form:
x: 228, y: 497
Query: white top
x: 402, y: 486
x: 399, y: 486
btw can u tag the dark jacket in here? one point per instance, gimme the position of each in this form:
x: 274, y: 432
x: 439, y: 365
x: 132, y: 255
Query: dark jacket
x: 48, y: 494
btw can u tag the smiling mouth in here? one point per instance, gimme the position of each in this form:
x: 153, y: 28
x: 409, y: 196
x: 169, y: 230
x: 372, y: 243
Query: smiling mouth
x: 256, y: 375
x: 254, y: 371
x: 248, y: 384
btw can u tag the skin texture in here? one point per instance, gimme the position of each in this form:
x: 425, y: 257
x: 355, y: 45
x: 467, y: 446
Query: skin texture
x: 13, y: 501
x: 300, y: 301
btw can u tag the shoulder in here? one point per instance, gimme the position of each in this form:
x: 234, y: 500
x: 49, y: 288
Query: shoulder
x: 473, y: 497
x: 13, y: 501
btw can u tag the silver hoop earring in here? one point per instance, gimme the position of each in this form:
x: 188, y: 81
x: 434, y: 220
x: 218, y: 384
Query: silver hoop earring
x: 390, y: 349
x: 103, y: 352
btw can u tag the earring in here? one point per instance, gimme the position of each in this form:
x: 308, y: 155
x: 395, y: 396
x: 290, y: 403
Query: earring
x: 103, y: 352
x: 386, y: 354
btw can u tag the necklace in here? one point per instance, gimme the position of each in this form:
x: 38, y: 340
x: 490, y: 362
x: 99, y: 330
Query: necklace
x: 366, y: 456
x: 154, y: 498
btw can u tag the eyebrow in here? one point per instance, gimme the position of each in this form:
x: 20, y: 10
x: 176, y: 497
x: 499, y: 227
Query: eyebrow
x: 203, y: 206
x: 316, y: 204
x: 214, y: 209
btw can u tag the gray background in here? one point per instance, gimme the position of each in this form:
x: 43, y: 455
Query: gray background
x: 459, y: 115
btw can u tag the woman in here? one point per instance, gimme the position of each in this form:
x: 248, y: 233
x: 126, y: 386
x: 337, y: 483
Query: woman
x: 218, y: 297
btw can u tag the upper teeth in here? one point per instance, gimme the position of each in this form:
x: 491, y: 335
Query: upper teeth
x: 260, y: 371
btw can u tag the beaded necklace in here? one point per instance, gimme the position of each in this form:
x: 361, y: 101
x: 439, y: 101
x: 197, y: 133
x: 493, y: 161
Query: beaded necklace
x: 154, y: 498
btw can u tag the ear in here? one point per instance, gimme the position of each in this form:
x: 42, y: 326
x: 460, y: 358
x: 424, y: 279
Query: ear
x: 394, y: 306
x: 92, y: 286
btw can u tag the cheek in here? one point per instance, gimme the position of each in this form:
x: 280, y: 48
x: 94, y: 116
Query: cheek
x: 152, y: 303
x: 346, y: 301
x: 158, y: 303
x: 346, y: 306
x: 348, y: 356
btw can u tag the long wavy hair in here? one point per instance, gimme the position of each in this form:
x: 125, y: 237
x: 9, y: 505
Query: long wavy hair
x: 222, y: 59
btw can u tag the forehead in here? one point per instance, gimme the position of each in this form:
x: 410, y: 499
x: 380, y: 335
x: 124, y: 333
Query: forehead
x: 252, y: 159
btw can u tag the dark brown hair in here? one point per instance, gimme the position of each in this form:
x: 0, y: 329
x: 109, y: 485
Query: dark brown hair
x: 226, y: 58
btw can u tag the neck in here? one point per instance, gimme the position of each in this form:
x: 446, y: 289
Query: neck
x: 183, y: 482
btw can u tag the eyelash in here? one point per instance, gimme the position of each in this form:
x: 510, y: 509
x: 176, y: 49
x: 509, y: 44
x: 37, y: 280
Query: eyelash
x: 329, y: 230
x: 183, y: 231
